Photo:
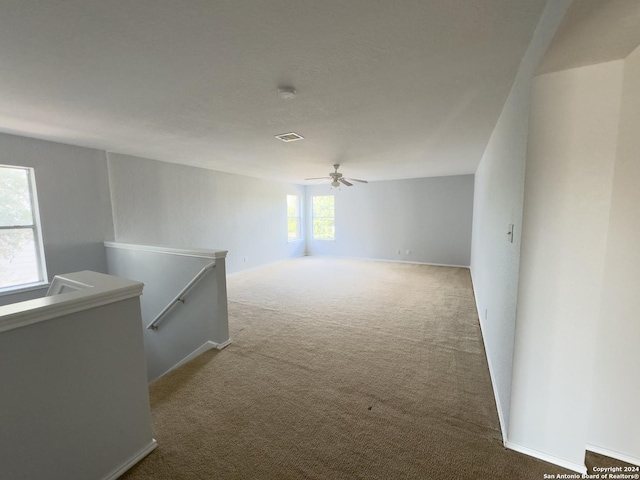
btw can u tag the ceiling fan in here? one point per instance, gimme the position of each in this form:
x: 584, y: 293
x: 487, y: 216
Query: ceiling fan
x: 337, y: 178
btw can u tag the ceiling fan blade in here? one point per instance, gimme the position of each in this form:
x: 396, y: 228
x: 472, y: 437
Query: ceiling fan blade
x: 319, y: 178
x: 342, y: 180
x: 356, y: 180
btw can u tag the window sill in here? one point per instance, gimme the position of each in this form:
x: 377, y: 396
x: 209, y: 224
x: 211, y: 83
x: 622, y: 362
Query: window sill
x: 23, y: 288
x: 297, y: 240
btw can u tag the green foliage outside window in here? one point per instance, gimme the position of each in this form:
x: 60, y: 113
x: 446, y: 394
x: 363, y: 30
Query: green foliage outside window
x: 293, y: 217
x: 292, y: 229
x: 323, y: 217
x: 19, y: 262
x: 15, y: 198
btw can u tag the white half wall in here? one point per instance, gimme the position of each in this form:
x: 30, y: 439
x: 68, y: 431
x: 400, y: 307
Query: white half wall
x: 75, y: 401
x: 431, y: 217
x: 74, y: 201
x: 614, y: 418
x: 157, y: 203
x: 498, y: 196
x: 571, y: 153
x: 201, y: 320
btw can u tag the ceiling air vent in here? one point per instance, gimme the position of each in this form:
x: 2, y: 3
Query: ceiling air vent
x: 289, y: 137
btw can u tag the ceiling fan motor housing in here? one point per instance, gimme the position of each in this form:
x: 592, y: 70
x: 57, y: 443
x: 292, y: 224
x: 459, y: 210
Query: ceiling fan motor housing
x: 337, y: 178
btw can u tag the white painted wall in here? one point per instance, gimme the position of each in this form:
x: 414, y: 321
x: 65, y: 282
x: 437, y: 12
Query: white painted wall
x: 498, y: 196
x: 614, y: 418
x: 160, y: 203
x: 75, y: 206
x: 572, y: 146
x: 429, y: 216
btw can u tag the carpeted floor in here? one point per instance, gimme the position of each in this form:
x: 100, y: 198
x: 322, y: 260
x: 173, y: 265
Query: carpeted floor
x: 339, y: 369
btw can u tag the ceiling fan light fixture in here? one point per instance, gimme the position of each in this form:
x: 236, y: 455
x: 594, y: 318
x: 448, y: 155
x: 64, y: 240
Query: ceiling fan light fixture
x: 337, y: 179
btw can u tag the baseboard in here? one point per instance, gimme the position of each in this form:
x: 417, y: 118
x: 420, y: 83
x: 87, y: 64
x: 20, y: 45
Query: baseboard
x: 417, y: 263
x: 132, y: 461
x: 613, y: 454
x: 547, y: 458
x: 347, y: 258
x: 255, y: 267
x: 503, y: 424
x: 501, y: 419
x: 198, y: 351
x: 390, y: 261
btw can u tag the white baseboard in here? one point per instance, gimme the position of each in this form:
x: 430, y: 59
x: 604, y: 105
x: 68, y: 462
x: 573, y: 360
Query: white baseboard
x: 501, y: 419
x: 275, y: 262
x: 389, y: 261
x: 132, y: 461
x: 418, y: 263
x: 576, y: 467
x: 613, y: 454
x: 346, y: 258
x: 199, y: 351
x: 503, y: 424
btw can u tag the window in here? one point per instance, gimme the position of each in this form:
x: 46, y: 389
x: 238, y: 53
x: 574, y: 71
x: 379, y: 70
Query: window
x: 21, y: 252
x: 293, y: 218
x: 323, y: 218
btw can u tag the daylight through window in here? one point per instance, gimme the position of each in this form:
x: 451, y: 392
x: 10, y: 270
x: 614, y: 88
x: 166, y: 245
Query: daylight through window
x: 323, y: 218
x: 293, y: 218
x: 21, y: 254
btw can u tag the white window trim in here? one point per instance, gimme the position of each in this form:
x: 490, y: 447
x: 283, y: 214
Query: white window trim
x: 22, y: 288
x: 36, y: 226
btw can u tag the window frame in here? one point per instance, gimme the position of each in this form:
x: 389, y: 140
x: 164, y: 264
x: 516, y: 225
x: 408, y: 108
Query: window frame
x: 314, y: 216
x: 36, y: 227
x: 297, y: 218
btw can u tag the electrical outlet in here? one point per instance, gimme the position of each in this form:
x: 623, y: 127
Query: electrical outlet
x: 408, y: 252
x: 399, y: 251
x: 486, y: 313
x: 246, y: 259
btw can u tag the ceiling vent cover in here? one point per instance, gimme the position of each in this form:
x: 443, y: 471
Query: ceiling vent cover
x: 289, y: 137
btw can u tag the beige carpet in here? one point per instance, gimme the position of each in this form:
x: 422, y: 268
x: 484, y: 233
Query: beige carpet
x: 339, y: 369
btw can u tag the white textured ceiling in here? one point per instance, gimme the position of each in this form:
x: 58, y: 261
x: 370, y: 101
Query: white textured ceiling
x: 594, y: 31
x: 389, y: 89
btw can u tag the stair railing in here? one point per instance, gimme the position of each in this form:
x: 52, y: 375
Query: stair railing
x: 181, y: 296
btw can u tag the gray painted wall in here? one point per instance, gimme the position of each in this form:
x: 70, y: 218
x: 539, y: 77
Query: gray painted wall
x: 429, y: 216
x: 157, y: 203
x: 75, y: 206
x: 498, y: 200
x: 188, y: 326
